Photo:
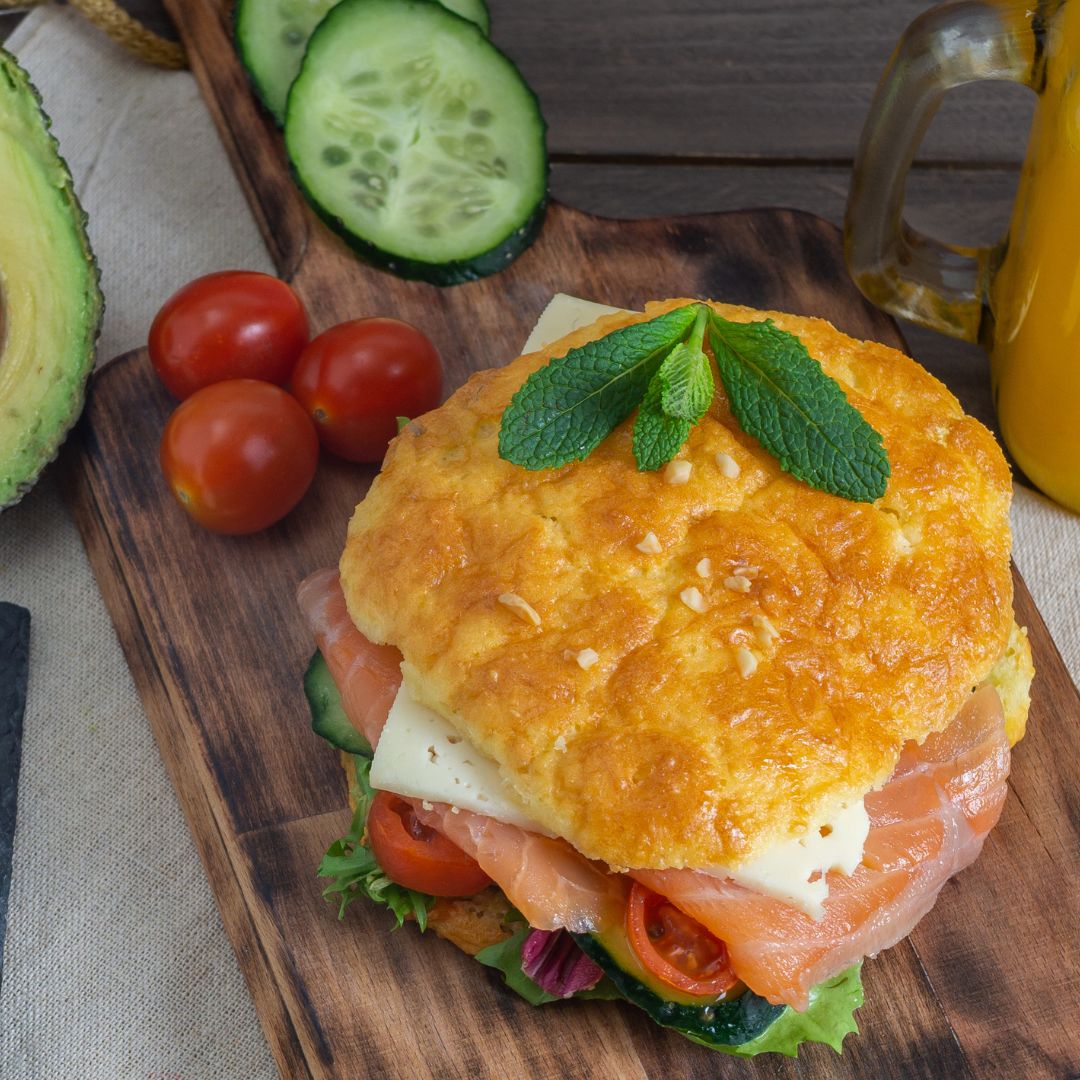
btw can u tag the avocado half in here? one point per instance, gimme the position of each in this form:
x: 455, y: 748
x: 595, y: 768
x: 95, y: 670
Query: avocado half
x: 50, y: 300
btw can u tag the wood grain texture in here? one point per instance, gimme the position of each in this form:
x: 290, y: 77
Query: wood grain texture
x: 965, y: 205
x: 962, y: 205
x: 738, y: 79
x: 728, y: 81
x: 217, y: 648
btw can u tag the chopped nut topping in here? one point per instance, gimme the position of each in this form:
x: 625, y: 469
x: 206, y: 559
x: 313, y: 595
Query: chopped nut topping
x: 727, y: 465
x: 704, y: 568
x: 454, y: 810
x: 693, y: 599
x: 737, y: 583
x: 747, y: 571
x: 765, y: 629
x: 427, y: 806
x: 560, y: 745
x: 586, y: 658
x: 649, y: 544
x: 745, y: 661
x: 678, y: 472
x: 520, y: 607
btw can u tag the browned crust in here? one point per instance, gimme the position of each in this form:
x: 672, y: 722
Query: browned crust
x: 663, y: 754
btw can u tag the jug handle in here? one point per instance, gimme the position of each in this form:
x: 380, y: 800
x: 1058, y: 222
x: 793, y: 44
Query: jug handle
x: 939, y: 285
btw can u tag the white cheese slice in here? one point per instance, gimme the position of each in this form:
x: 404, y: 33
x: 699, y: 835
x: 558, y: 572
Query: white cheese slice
x: 562, y: 316
x: 794, y: 870
x: 422, y: 756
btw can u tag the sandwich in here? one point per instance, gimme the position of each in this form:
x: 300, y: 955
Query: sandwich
x: 690, y: 685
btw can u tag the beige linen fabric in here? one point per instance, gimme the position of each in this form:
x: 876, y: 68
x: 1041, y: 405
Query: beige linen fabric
x: 116, y: 964
x: 1046, y: 547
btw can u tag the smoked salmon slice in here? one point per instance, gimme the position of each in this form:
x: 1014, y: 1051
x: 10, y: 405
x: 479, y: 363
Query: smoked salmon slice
x: 549, y: 882
x: 367, y: 675
x: 926, y: 824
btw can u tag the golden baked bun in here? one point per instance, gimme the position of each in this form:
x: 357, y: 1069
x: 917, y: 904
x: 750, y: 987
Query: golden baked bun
x: 698, y: 737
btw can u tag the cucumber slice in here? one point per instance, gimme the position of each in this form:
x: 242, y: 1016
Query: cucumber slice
x: 721, y: 1025
x: 328, y: 718
x: 273, y: 34
x: 417, y: 140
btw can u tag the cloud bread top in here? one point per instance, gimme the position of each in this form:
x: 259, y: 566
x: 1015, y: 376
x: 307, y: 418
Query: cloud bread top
x: 663, y: 753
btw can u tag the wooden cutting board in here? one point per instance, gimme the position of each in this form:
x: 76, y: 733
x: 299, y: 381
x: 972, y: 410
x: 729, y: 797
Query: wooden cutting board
x: 986, y: 986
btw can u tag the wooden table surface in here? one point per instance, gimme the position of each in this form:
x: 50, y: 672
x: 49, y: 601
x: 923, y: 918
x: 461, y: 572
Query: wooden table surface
x: 665, y: 107
x: 674, y: 106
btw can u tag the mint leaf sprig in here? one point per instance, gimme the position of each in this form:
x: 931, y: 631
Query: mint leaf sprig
x: 566, y: 409
x: 676, y: 398
x: 778, y: 393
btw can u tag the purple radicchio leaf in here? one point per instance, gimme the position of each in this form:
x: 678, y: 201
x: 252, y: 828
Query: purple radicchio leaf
x: 552, y: 959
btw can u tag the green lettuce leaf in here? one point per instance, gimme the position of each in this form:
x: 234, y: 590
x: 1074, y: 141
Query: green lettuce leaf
x: 353, y: 868
x: 506, y: 957
x: 827, y: 1019
x: 351, y: 865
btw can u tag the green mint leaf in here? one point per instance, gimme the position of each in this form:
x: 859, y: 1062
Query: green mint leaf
x: 686, y: 383
x: 352, y: 866
x: 781, y: 396
x: 657, y: 436
x: 686, y: 380
x: 567, y: 408
x: 402, y: 423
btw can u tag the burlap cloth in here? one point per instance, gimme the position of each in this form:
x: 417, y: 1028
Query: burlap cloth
x: 116, y: 964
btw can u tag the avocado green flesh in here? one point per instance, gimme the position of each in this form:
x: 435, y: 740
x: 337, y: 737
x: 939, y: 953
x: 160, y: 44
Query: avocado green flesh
x: 50, y: 303
x: 726, y: 1023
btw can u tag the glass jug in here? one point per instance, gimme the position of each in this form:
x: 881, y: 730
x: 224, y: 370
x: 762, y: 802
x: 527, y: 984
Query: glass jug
x: 1020, y: 298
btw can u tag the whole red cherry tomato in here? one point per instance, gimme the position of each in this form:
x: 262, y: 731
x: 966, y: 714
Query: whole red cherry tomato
x: 356, y: 379
x: 239, y: 455
x: 237, y: 324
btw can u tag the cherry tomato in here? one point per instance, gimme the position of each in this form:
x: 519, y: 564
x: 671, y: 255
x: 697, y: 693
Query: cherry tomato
x: 678, y: 950
x: 239, y: 455
x: 237, y: 324
x: 418, y: 857
x: 356, y: 379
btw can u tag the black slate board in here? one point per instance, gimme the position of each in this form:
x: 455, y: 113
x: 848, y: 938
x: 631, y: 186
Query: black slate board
x: 14, y: 672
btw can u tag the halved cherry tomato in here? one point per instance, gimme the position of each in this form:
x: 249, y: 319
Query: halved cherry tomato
x: 237, y: 324
x: 239, y: 455
x: 357, y: 378
x: 678, y: 950
x: 418, y: 857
